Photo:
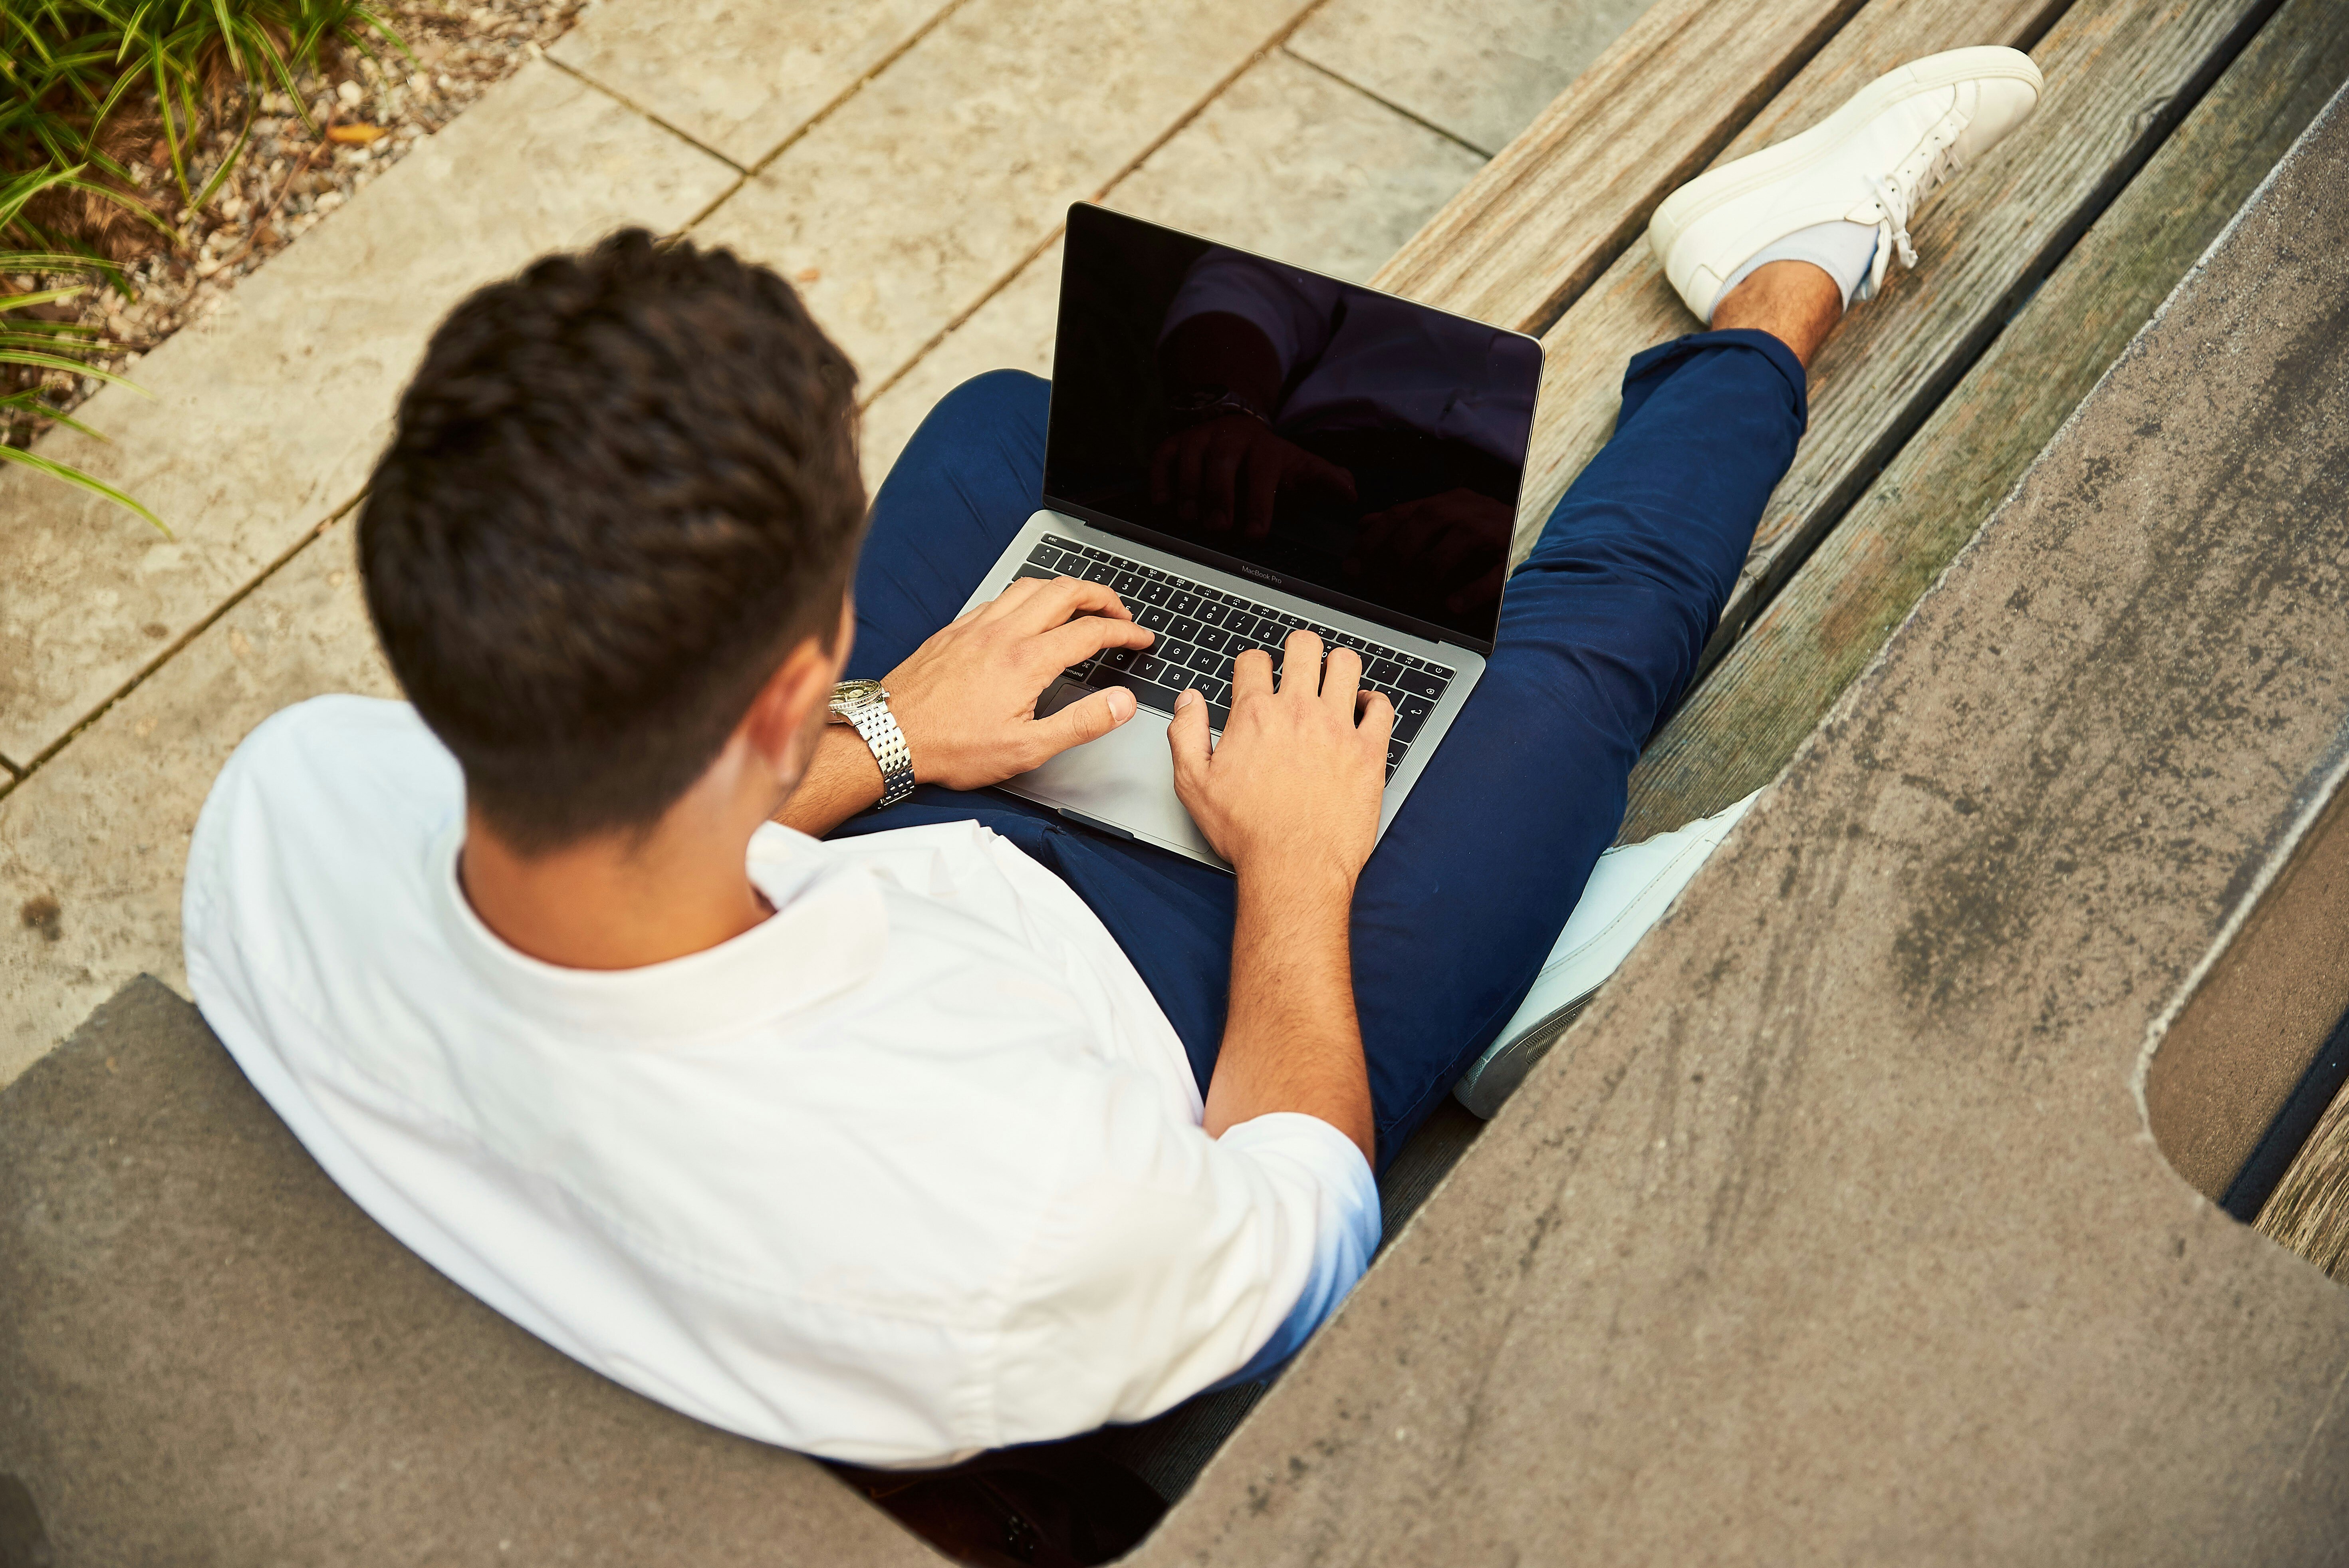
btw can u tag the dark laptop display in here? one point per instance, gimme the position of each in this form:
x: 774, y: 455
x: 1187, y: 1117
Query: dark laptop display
x: 1346, y: 446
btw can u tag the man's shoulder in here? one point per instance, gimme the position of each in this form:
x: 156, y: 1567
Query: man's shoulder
x: 321, y: 790
x: 339, y: 754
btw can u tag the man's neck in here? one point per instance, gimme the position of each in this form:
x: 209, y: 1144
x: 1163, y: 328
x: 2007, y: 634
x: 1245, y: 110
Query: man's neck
x: 618, y: 902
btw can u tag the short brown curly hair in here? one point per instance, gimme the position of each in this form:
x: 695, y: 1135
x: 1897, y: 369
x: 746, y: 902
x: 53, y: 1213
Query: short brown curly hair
x: 623, y: 485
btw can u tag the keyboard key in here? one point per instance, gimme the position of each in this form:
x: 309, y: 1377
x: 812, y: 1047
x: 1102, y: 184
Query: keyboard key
x: 1215, y: 690
x: 1185, y: 602
x: 1213, y: 637
x: 1125, y: 585
x: 1032, y: 572
x: 1119, y: 659
x: 1383, y: 672
x: 1046, y: 556
x: 1425, y: 682
x: 1099, y: 571
x: 1058, y: 543
x: 1149, y: 666
x: 1157, y: 592
x: 1440, y: 673
x: 1218, y: 717
x: 1205, y: 661
x: 1410, y: 714
x: 1214, y: 615
x: 1183, y: 626
x: 1396, y: 750
x: 1174, y: 655
x: 1153, y: 617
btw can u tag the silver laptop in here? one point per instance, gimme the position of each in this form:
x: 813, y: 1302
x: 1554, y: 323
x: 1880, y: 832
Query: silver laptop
x: 1238, y: 447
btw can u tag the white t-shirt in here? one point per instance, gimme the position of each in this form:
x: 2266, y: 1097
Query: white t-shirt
x: 912, y: 1169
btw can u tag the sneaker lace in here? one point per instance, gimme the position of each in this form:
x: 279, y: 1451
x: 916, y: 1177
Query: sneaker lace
x: 1897, y: 199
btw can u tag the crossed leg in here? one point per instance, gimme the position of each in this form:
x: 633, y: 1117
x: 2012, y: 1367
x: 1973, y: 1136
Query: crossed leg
x: 1600, y: 630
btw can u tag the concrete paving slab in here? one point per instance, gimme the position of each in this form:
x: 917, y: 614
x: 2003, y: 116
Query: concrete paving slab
x: 210, y: 1355
x: 740, y: 80
x: 1013, y: 331
x: 266, y: 418
x: 1481, y: 69
x: 93, y: 846
x: 1285, y: 161
x: 1289, y: 163
x: 1835, y: 1231
x: 936, y: 182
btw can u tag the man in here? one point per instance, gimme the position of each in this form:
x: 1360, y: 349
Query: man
x: 892, y: 1135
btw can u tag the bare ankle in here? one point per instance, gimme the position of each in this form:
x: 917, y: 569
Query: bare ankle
x: 1794, y: 301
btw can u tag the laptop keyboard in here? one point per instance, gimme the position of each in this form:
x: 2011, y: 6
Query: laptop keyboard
x: 1202, y: 629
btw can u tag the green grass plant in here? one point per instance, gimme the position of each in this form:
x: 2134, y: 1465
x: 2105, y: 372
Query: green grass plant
x: 36, y: 344
x: 70, y: 68
x: 81, y: 83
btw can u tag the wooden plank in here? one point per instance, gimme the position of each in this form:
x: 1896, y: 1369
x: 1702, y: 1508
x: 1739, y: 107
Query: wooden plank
x: 2309, y: 1211
x: 2110, y: 67
x: 1573, y: 192
x: 1771, y: 690
x: 1632, y: 305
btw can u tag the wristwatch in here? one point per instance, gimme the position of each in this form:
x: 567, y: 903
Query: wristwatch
x: 866, y: 704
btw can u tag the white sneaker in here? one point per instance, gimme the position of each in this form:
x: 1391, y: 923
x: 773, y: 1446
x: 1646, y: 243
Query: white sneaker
x: 1871, y: 161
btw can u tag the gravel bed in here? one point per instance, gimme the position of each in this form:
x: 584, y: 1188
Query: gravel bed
x: 365, y: 116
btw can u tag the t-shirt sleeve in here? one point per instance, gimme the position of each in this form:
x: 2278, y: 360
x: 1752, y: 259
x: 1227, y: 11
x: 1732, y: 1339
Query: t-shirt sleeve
x: 1168, y: 1263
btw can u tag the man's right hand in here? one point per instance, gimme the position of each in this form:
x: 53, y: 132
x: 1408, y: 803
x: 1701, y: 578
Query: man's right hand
x: 1297, y: 779
x: 1291, y: 799
x: 966, y: 698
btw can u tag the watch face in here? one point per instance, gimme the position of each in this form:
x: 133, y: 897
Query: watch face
x: 851, y: 695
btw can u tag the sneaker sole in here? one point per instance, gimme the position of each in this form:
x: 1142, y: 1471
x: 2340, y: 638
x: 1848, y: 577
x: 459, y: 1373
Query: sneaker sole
x: 1709, y: 191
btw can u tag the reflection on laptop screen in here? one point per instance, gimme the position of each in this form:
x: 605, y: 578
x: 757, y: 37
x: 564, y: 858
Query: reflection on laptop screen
x: 1346, y: 444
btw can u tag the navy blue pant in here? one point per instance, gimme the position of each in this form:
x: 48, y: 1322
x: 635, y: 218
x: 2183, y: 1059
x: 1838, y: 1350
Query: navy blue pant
x: 1600, y: 630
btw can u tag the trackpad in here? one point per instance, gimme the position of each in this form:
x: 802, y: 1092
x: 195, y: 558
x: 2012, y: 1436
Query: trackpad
x: 1060, y: 697
x: 1125, y: 778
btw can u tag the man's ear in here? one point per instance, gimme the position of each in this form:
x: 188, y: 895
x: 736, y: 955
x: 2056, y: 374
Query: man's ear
x: 783, y: 711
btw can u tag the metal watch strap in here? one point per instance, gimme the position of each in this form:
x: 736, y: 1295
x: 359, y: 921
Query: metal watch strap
x: 879, y: 727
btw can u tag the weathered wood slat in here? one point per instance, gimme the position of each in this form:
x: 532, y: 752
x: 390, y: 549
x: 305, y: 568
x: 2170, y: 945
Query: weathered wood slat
x: 1573, y: 191
x: 1739, y: 727
x: 2111, y: 65
x: 2309, y: 1211
x: 1631, y: 306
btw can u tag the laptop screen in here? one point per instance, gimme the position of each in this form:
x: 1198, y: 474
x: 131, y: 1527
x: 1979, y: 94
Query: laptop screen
x: 1348, y: 447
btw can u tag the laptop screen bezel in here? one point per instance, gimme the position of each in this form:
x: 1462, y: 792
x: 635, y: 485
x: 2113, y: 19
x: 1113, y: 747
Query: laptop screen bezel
x: 1233, y: 566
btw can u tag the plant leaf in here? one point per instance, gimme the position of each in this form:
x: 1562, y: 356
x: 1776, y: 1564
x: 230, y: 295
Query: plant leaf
x: 74, y: 367
x: 75, y: 476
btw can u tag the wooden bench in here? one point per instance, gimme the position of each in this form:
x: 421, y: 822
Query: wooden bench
x: 2038, y: 267
x: 168, y: 1402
